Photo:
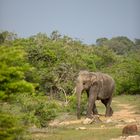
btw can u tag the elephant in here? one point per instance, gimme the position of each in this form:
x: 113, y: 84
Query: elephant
x: 98, y: 86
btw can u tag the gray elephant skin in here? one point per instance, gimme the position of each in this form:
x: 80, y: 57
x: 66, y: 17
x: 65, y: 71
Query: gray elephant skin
x: 98, y: 86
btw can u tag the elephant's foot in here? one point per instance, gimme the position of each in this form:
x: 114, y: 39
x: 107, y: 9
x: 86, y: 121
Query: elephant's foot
x: 90, y: 116
x: 95, y: 112
x: 109, y: 113
x: 88, y: 121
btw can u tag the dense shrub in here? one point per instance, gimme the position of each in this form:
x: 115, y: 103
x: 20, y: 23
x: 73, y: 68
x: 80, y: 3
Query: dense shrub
x: 11, y: 128
x: 126, y: 73
x: 72, y: 106
x: 37, y: 110
x: 12, y: 72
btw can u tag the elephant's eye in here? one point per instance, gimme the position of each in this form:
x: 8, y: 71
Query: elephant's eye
x: 84, y: 83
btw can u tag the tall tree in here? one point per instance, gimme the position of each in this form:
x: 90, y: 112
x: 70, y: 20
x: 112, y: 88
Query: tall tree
x: 101, y: 41
x: 121, y: 45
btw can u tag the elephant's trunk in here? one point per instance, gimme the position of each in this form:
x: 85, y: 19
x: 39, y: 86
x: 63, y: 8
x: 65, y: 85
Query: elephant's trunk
x: 78, y: 93
x: 78, y: 106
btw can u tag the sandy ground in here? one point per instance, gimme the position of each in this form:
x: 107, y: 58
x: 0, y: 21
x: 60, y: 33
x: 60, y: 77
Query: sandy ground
x: 125, y: 115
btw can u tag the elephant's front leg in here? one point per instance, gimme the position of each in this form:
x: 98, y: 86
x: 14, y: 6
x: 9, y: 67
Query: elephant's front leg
x: 94, y: 109
x: 91, y: 102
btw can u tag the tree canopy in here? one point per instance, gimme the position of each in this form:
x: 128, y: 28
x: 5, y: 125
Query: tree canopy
x: 47, y: 64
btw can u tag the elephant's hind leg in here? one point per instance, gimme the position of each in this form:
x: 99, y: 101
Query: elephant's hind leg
x: 107, y: 103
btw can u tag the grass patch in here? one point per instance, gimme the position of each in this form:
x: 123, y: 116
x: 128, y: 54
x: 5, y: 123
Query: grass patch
x: 89, y: 134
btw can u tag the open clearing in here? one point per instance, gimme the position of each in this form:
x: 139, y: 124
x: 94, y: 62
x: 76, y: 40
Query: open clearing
x: 67, y: 127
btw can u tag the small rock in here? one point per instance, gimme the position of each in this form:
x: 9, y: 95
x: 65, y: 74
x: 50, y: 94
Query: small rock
x: 135, y: 137
x: 130, y: 129
x: 54, y: 123
x: 81, y: 128
x: 88, y: 121
x: 108, y: 121
x: 95, y: 119
x: 64, y: 123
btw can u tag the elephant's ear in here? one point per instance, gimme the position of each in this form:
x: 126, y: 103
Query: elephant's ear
x: 94, y: 79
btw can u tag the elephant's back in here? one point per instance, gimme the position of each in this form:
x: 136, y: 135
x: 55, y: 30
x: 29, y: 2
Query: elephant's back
x: 105, y: 78
x: 107, y: 85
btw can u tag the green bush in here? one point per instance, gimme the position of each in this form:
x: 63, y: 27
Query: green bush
x: 46, y: 112
x: 126, y: 73
x: 11, y: 128
x: 12, y: 72
x: 37, y: 110
x: 72, y: 105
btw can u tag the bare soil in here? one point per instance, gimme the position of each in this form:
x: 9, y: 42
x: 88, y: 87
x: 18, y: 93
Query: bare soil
x: 125, y: 115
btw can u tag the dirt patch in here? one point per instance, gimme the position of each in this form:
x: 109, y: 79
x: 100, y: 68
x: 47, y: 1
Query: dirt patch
x: 125, y: 115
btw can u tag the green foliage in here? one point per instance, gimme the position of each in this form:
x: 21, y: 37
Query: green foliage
x: 11, y: 128
x: 126, y: 73
x: 56, y: 65
x: 101, y: 41
x: 72, y: 106
x: 120, y: 45
x: 37, y: 110
x: 104, y: 57
x: 46, y: 112
x: 12, y: 72
x: 52, y: 64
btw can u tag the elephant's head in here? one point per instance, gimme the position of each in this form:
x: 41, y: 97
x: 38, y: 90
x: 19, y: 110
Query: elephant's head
x: 84, y: 81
